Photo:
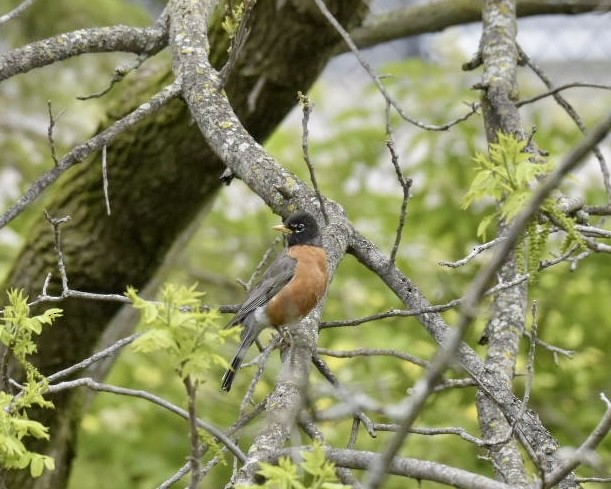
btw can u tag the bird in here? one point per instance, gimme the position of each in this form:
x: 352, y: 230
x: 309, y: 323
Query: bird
x: 288, y: 290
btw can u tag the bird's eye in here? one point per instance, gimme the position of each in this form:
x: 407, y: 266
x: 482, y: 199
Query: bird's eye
x: 298, y: 227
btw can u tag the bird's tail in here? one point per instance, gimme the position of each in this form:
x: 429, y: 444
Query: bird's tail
x: 250, y: 335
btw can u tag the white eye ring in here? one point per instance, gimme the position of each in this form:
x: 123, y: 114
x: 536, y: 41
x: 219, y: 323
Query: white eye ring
x: 299, y: 227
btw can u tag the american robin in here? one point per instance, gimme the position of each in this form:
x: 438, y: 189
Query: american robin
x: 289, y: 289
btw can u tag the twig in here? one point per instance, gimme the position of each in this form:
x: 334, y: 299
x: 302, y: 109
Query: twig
x: 461, y: 432
x: 180, y: 473
x: 112, y: 349
x: 105, y: 180
x: 247, y: 417
x: 122, y: 391
x: 96, y: 357
x: 600, y: 480
x: 474, y: 252
x: 564, y: 257
x: 50, y: 135
x: 122, y: 71
x: 196, y: 446
x: 370, y: 352
x: 559, y: 89
x: 66, y: 291
x: 417, y: 312
x: 555, y: 350
x: 79, y: 294
x: 455, y: 384
x: 389, y: 314
x: 411, y: 408
x: 593, y: 231
x: 376, y: 79
x: 262, y: 263
x: 406, y: 184
x: 415, y: 18
x: 598, y: 210
x: 61, y: 266
x: 354, y: 432
x: 80, y: 152
x: 306, y: 107
x: 210, y: 465
x: 417, y: 469
x: 17, y: 11
x: 343, y: 393
x: 261, y: 362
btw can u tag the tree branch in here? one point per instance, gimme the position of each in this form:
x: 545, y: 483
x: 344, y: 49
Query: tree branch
x: 122, y: 391
x: 407, y: 467
x: 503, y: 331
x: 137, y: 40
x: 436, y: 15
x: 17, y: 11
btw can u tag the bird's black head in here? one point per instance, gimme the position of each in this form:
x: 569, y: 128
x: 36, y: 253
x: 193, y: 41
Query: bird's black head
x: 301, y: 229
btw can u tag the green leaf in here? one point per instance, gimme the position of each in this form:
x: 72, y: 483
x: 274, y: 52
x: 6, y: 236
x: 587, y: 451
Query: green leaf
x: 154, y: 340
x: 314, y: 460
x: 49, y: 315
x: 37, y: 466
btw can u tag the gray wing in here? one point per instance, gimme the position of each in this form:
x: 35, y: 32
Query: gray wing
x: 279, y: 274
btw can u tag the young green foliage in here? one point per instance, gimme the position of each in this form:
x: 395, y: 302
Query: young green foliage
x: 507, y: 174
x: 313, y: 472
x: 177, y: 326
x: 232, y: 20
x: 17, y: 330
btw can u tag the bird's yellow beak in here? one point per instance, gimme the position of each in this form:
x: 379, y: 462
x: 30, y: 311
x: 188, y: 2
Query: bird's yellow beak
x: 283, y: 229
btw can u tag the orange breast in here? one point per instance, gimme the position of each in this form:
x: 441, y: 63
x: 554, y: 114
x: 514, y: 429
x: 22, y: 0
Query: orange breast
x: 304, y: 290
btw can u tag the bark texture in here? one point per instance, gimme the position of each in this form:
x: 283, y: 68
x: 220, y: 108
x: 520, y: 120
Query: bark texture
x: 506, y: 323
x: 499, y: 56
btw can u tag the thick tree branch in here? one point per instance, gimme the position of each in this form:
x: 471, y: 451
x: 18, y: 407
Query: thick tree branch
x: 129, y: 39
x: 505, y: 326
x: 436, y: 15
x: 407, y: 467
